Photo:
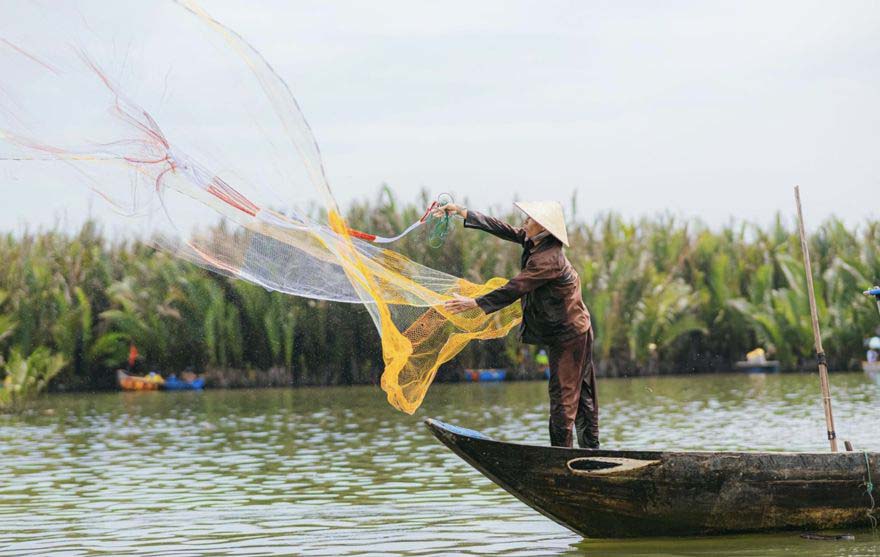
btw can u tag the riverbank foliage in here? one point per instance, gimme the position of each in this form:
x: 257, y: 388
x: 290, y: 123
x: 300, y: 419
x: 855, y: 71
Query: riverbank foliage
x: 666, y: 295
x: 27, y: 376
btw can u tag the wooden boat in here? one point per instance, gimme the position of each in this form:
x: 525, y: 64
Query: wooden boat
x: 871, y: 367
x: 622, y: 494
x: 135, y: 382
x: 769, y: 366
x: 175, y: 384
x: 485, y: 375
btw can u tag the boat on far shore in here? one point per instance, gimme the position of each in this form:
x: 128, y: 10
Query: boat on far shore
x: 173, y: 383
x: 871, y: 367
x: 153, y: 381
x: 756, y: 362
x: 138, y: 382
x: 769, y: 366
x: 485, y: 375
x: 872, y: 371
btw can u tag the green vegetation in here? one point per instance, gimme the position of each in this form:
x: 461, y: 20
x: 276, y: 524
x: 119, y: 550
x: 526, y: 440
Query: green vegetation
x: 702, y: 296
x: 28, y: 376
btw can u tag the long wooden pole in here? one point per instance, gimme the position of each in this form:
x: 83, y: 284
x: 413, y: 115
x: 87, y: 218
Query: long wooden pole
x: 817, y: 338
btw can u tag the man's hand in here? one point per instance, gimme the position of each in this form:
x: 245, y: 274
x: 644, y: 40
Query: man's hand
x: 450, y: 209
x: 459, y: 304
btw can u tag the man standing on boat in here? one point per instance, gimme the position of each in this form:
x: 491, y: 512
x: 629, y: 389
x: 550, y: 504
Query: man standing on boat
x: 554, y: 314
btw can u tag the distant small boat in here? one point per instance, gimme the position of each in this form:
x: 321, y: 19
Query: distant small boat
x: 485, y: 375
x: 138, y: 383
x: 770, y: 366
x: 172, y: 383
x: 871, y: 367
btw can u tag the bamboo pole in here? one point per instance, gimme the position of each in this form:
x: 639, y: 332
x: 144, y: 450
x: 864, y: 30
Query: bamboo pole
x: 817, y: 338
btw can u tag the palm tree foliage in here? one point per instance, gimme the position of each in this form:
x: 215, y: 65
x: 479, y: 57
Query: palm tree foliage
x: 684, y: 295
x: 28, y: 376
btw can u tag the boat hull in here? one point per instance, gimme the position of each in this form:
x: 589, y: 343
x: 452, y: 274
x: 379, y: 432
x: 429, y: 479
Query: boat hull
x: 622, y: 494
x: 135, y: 383
x: 751, y: 367
x: 485, y: 375
x: 175, y: 384
x: 871, y: 367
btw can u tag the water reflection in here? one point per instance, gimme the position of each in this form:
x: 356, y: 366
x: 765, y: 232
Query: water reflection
x: 337, y: 471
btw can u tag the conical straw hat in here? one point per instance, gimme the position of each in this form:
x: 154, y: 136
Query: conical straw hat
x: 548, y: 214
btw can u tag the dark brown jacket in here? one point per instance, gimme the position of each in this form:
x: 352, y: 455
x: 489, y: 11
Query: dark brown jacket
x: 548, y: 286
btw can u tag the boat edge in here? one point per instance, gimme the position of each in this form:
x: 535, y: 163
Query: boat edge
x: 445, y: 435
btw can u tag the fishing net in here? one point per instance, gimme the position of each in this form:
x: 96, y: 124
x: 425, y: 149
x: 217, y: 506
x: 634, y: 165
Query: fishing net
x: 183, y: 127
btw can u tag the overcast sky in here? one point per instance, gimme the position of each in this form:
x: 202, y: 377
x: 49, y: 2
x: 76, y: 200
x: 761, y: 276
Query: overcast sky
x: 705, y: 109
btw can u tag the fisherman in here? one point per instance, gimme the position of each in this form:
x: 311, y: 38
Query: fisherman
x: 554, y: 314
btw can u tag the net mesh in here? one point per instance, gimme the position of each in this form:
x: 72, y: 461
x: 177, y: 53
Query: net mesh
x: 182, y: 126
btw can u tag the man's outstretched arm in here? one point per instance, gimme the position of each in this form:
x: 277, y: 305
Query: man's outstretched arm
x: 495, y: 227
x: 533, y: 276
x: 474, y: 219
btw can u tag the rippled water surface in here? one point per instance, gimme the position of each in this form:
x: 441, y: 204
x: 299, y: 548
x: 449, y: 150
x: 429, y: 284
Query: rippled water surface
x: 336, y: 471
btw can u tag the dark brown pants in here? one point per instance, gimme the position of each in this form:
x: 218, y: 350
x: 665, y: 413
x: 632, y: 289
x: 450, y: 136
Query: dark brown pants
x: 573, y: 393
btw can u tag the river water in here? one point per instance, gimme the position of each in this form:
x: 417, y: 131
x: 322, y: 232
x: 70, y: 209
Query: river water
x: 336, y: 471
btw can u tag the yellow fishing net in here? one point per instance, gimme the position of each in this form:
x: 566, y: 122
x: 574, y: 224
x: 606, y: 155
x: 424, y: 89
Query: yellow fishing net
x: 184, y: 127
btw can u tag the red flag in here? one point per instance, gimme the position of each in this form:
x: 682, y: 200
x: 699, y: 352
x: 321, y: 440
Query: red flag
x: 132, y: 355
